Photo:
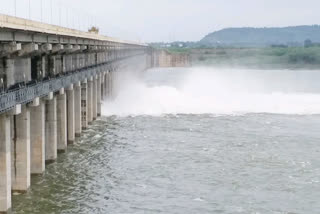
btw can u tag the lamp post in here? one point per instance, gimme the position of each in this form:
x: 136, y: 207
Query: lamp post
x: 41, y: 10
x: 60, y: 13
x: 15, y: 8
x: 51, y: 11
x: 29, y: 10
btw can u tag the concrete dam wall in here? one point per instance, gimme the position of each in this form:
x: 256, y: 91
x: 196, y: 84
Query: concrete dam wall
x: 52, y: 83
x: 163, y: 58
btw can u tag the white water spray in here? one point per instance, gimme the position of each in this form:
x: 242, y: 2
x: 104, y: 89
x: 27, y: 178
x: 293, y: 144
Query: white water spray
x: 216, y: 91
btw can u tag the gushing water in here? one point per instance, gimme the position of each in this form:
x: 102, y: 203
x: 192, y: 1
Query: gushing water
x: 215, y: 91
x: 192, y: 162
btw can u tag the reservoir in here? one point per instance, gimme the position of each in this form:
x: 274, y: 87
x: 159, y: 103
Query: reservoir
x: 192, y: 140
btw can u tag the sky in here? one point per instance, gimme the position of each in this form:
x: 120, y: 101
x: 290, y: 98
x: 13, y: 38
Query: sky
x: 165, y: 20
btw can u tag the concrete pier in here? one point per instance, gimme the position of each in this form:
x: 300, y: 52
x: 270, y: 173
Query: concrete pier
x: 62, y: 122
x: 84, y: 104
x: 70, y: 115
x: 5, y: 164
x: 90, y: 100
x: 38, y: 136
x: 102, y: 86
x: 20, y: 151
x: 59, y: 77
x: 110, y: 85
x: 99, y: 95
x: 77, y: 109
x: 95, y: 98
x: 51, y: 129
x: 107, y: 85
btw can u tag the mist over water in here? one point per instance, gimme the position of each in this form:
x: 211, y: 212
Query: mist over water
x: 215, y: 91
x: 194, y: 144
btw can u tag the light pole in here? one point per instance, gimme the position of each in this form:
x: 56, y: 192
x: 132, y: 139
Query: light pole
x: 51, y: 11
x: 67, y: 17
x: 29, y: 10
x: 41, y: 9
x: 15, y: 8
x: 60, y: 13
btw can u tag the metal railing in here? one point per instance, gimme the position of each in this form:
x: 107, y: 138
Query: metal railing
x: 28, y: 93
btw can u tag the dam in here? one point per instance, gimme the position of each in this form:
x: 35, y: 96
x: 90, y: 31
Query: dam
x: 52, y: 83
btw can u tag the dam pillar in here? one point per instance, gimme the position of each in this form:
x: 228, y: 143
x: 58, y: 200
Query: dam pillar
x: 38, y: 136
x: 90, y: 100
x: 5, y: 164
x: 102, y: 86
x: 77, y: 109
x: 20, y: 170
x: 110, y: 85
x: 99, y: 95
x: 62, y: 121
x: 51, y: 129
x: 95, y: 98
x: 107, y: 84
x: 84, y: 104
x: 70, y: 115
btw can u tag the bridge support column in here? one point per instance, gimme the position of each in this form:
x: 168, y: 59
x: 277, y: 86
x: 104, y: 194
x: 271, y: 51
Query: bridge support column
x: 21, y: 151
x: 71, y: 115
x: 90, y: 100
x: 37, y: 129
x: 95, y: 98
x: 84, y: 104
x: 102, y: 87
x: 77, y: 109
x: 51, y: 129
x: 110, y: 85
x: 5, y: 164
x: 62, y: 122
x: 99, y: 95
x: 107, y: 85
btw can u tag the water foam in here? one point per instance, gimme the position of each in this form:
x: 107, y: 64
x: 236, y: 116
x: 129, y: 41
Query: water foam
x: 218, y: 92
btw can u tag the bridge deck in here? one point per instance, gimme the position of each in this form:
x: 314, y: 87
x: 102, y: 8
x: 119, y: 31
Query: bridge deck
x: 14, y: 23
x: 26, y: 94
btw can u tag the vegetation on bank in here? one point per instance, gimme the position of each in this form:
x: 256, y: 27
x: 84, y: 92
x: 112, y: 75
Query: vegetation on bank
x: 269, y: 58
x: 262, y: 37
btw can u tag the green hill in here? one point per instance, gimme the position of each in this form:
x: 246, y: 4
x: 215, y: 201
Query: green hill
x: 259, y: 37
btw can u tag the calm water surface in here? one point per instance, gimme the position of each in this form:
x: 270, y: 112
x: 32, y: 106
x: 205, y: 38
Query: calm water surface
x: 250, y: 158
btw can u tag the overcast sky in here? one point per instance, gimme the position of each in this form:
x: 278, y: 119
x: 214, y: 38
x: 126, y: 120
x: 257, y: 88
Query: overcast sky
x: 167, y: 20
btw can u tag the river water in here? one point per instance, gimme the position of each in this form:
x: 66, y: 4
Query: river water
x: 193, y: 141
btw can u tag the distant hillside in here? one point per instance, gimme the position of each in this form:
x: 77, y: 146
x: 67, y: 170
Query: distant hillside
x: 262, y: 36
